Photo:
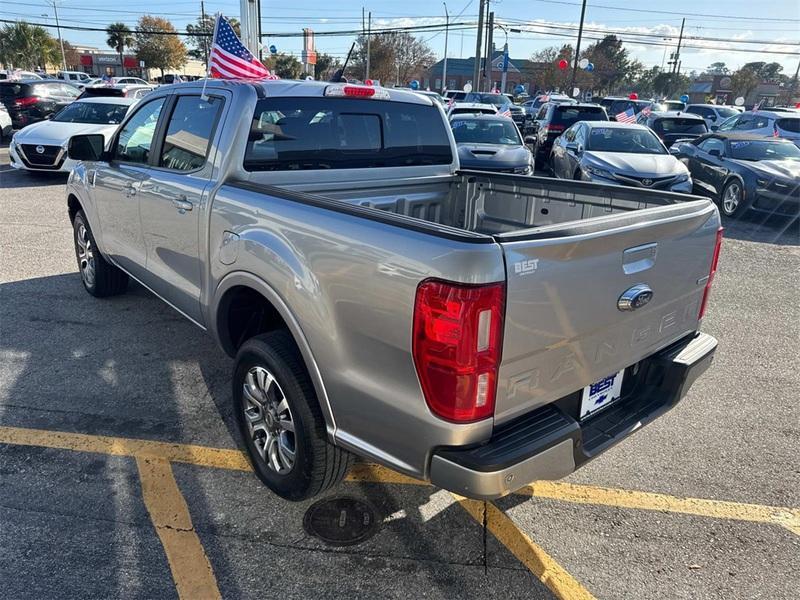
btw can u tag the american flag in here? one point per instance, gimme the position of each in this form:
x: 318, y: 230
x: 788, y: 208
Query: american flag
x: 506, y: 112
x: 626, y: 117
x: 230, y: 59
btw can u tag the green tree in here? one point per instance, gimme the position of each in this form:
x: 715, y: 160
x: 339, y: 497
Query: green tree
x: 119, y: 38
x: 284, y: 66
x: 26, y: 46
x: 203, y: 32
x: 611, y: 64
x: 766, y: 71
x: 326, y: 66
x: 718, y: 68
x: 744, y: 81
x: 157, y: 45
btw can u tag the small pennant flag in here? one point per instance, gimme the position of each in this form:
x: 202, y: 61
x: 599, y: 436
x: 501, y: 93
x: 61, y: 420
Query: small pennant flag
x: 230, y: 59
x: 626, y: 117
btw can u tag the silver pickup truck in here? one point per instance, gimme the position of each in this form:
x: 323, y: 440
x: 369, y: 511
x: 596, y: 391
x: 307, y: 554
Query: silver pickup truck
x: 478, y: 330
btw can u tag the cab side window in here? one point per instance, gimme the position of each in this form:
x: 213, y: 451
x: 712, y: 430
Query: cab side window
x: 189, y: 133
x: 136, y: 137
x: 712, y: 143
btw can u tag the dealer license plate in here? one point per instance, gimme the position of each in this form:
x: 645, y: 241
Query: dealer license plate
x: 601, y: 393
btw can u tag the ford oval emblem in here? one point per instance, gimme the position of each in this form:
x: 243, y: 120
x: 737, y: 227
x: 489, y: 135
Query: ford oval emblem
x: 635, y: 297
x: 40, y: 149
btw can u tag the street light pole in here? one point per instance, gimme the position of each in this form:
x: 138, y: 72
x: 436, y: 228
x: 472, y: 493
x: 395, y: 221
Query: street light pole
x: 54, y: 4
x: 504, y: 76
x: 577, y: 51
x: 446, y: 31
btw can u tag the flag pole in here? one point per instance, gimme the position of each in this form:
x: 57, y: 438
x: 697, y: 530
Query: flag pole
x: 203, y: 96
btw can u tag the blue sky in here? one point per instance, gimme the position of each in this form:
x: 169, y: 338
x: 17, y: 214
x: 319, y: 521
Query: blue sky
x: 770, y: 25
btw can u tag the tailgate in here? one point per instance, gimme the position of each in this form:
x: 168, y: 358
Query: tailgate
x: 563, y: 327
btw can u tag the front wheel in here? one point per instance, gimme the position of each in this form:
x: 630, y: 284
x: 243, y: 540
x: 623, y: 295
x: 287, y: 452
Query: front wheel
x: 99, y: 277
x: 280, y: 419
x: 732, y: 201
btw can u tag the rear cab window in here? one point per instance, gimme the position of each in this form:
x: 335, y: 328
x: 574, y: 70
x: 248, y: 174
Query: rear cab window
x: 189, y: 133
x: 792, y: 125
x: 344, y: 133
x: 678, y: 125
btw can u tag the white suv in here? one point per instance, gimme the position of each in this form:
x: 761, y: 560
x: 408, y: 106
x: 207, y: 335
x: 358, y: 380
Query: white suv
x: 713, y: 114
x: 766, y: 123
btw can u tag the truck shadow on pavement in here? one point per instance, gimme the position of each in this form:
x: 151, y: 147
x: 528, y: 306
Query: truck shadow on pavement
x: 764, y: 228
x: 131, y: 367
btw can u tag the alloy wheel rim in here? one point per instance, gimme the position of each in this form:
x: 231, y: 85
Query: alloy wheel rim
x: 269, y: 420
x: 731, y: 200
x: 85, y: 255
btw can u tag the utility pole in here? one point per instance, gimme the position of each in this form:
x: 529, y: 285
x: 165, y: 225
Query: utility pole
x: 476, y: 68
x: 54, y: 4
x: 369, y: 31
x: 206, y: 41
x: 487, y: 62
x: 577, y: 51
x: 446, y: 30
x: 676, y: 62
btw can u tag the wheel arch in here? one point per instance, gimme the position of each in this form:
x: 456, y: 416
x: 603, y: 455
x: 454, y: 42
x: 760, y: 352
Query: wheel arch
x: 234, y: 292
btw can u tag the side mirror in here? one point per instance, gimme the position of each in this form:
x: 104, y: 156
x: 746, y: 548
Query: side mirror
x: 575, y: 147
x: 89, y: 147
x: 715, y: 152
x: 530, y: 140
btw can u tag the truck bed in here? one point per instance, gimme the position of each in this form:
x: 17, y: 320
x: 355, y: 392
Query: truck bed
x: 493, y: 204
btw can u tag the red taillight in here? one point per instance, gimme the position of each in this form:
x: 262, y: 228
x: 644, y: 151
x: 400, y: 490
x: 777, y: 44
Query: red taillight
x: 357, y: 90
x: 26, y: 101
x: 711, y: 273
x: 554, y: 129
x: 457, y: 340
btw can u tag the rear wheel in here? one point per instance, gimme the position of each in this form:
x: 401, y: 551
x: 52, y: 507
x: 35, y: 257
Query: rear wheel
x: 732, y: 200
x: 99, y: 277
x: 280, y: 419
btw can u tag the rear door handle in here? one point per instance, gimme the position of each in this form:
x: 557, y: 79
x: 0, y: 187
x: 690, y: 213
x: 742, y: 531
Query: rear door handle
x: 182, y: 204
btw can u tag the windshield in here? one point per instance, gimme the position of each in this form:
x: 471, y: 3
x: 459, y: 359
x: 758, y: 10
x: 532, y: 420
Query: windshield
x: 496, y: 99
x: 344, y: 133
x: 764, y: 150
x: 725, y: 112
x: 475, y: 131
x: 9, y: 90
x: 567, y: 114
x: 92, y: 112
x: 673, y: 105
x: 679, y: 125
x: 792, y: 125
x: 624, y: 139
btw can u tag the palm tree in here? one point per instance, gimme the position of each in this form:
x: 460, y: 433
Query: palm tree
x: 27, y: 46
x: 119, y: 36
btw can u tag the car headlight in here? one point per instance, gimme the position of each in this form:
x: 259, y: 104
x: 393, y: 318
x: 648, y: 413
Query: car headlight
x: 682, y: 178
x: 526, y: 170
x: 597, y: 172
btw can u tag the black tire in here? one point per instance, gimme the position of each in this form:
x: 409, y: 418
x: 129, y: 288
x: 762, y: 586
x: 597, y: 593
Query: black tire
x: 318, y: 465
x: 106, y: 280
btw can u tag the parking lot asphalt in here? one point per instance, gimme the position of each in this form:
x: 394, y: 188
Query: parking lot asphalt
x: 120, y: 474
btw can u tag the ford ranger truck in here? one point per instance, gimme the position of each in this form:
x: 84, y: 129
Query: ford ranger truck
x: 476, y: 330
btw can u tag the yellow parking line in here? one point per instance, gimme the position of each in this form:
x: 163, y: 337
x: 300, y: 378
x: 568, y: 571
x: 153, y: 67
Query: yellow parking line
x: 718, y: 509
x: 191, y: 570
x: 533, y: 556
x: 203, y: 456
x: 556, y: 490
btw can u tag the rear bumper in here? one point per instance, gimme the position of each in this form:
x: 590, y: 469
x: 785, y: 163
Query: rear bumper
x: 549, y: 443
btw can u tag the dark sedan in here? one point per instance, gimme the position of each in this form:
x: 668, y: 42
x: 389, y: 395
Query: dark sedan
x: 32, y: 100
x: 673, y: 126
x: 742, y: 172
x: 491, y: 143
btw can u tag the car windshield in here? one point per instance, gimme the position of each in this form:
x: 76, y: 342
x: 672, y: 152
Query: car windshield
x: 725, y: 112
x: 764, y: 150
x: 792, y: 125
x: 92, y: 112
x: 678, y: 125
x: 624, y: 139
x: 477, y: 131
x: 496, y: 99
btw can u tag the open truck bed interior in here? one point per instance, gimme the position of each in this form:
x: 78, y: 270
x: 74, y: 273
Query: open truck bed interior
x: 495, y: 204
